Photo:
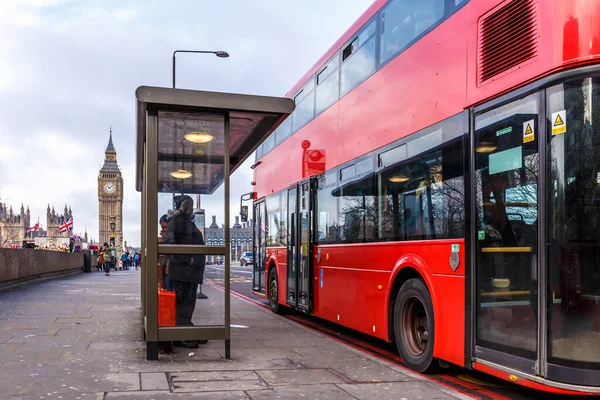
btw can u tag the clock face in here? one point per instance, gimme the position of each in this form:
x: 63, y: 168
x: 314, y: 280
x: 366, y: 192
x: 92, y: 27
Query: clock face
x: 109, y: 187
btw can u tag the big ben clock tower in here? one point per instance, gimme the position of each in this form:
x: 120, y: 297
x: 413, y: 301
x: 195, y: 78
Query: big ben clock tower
x: 110, y: 197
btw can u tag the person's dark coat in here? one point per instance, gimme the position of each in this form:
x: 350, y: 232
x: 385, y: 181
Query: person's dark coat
x: 184, y: 268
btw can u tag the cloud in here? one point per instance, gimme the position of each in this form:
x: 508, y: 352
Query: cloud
x: 70, y: 69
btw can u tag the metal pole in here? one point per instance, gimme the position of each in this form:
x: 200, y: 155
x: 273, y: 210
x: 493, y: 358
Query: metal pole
x: 227, y: 245
x: 174, y: 69
x: 221, y: 54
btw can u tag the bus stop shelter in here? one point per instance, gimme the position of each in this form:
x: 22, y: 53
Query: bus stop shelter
x: 190, y: 142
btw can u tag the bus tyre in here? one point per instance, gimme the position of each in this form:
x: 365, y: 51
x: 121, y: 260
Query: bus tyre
x: 414, y: 326
x: 274, y: 292
x: 243, y: 263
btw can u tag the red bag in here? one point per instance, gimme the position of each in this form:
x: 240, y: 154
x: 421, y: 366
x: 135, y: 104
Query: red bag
x: 166, y: 308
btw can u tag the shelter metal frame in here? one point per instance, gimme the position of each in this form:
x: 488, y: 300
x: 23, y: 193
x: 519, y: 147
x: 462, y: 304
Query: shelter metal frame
x: 271, y: 111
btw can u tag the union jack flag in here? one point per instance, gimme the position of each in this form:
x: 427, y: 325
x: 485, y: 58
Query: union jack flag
x: 33, y: 228
x: 68, y: 224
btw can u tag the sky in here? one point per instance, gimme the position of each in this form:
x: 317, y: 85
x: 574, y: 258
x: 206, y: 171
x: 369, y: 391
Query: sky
x: 70, y: 68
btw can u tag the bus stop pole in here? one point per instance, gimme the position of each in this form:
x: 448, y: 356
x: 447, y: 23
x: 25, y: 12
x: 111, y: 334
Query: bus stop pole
x: 227, y: 243
x: 144, y: 240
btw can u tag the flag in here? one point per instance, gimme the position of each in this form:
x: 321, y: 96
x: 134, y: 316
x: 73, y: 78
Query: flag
x: 68, y: 224
x: 34, y: 228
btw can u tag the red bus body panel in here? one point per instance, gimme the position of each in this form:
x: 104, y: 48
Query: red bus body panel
x: 357, y: 281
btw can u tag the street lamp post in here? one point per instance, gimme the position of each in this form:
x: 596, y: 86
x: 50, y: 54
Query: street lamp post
x: 221, y: 54
x: 113, y: 226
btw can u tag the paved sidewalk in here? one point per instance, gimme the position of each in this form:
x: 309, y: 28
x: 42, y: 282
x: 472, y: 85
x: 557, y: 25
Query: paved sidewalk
x: 80, y: 338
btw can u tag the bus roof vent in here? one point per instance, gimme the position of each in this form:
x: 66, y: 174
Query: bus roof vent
x: 508, y: 37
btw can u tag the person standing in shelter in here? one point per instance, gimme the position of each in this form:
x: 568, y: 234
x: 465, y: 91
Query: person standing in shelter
x: 185, y: 271
x: 163, y: 260
x: 107, y: 251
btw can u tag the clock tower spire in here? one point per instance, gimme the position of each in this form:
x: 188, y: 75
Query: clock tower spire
x: 110, y: 197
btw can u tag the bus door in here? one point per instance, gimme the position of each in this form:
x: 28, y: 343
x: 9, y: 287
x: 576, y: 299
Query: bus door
x: 299, y: 263
x: 506, y: 177
x: 260, y: 248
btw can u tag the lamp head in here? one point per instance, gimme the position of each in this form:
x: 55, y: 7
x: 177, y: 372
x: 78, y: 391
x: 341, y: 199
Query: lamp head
x: 222, y: 54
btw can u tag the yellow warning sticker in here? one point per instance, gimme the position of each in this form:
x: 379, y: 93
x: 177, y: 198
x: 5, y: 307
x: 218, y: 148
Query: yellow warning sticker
x: 559, y: 122
x: 528, y: 131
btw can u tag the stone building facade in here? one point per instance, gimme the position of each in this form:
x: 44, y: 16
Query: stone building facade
x: 13, y: 227
x: 55, y: 220
x: 241, y: 238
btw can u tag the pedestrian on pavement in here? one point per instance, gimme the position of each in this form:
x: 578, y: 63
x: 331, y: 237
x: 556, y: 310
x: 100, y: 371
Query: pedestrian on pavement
x: 124, y: 261
x: 107, y: 251
x: 100, y: 260
x: 185, y: 271
x: 136, y: 260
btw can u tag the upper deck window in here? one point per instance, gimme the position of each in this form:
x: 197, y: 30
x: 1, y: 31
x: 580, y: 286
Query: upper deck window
x: 328, y: 84
x: 358, y: 58
x: 402, y: 21
x: 305, y: 106
x: 284, y: 131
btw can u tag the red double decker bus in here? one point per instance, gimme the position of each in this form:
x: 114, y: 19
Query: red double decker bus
x: 438, y: 186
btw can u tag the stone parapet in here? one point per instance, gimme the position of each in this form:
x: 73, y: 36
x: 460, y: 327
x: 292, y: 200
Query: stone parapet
x: 21, y: 266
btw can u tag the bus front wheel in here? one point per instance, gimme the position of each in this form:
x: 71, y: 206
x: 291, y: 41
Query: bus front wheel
x: 414, y: 325
x: 274, y: 292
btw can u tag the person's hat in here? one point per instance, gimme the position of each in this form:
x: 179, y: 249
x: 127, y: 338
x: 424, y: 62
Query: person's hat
x: 179, y: 199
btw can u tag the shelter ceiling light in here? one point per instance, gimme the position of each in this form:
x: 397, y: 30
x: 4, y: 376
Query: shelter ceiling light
x: 399, y: 178
x: 485, y: 147
x: 181, y: 174
x: 198, y: 137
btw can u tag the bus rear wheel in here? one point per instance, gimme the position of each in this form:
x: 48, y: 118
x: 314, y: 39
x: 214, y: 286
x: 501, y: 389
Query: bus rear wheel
x: 414, y: 326
x: 274, y: 292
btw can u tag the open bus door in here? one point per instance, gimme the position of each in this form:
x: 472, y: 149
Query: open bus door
x: 506, y: 199
x: 299, y: 263
x: 260, y: 248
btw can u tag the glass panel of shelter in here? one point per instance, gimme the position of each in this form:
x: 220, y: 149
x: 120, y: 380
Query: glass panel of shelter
x: 190, y: 162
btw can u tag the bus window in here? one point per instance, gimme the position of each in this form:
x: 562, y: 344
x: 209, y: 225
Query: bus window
x: 273, y: 224
x: 327, y: 209
x: 305, y: 106
x: 283, y: 131
x: 328, y: 85
x: 403, y: 21
x: 422, y: 197
x: 358, y: 58
x: 356, y: 200
x: 283, y: 229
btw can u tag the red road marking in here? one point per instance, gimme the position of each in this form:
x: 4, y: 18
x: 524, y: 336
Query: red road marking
x: 454, y: 383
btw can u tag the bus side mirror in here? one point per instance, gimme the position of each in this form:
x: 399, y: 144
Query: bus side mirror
x: 244, y: 213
